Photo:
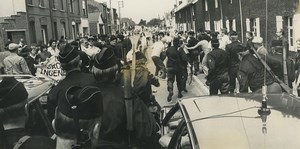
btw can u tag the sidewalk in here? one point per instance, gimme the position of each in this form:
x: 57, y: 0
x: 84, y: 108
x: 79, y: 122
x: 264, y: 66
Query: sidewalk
x: 200, y: 80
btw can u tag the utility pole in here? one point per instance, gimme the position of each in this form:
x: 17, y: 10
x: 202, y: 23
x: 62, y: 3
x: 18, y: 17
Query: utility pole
x: 111, y: 17
x: 241, y: 18
x: 121, y: 5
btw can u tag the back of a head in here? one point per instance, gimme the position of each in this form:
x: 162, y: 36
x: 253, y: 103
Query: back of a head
x: 191, y: 33
x: 12, y: 94
x: 68, y: 56
x: 105, y: 66
x: 215, y: 43
x: 176, y: 41
x: 81, y: 104
x: 234, y: 35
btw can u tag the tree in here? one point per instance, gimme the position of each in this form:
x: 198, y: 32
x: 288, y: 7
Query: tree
x: 142, y: 22
x: 154, y: 22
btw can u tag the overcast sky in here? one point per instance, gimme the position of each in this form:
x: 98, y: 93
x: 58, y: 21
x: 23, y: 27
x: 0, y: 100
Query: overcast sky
x: 143, y: 9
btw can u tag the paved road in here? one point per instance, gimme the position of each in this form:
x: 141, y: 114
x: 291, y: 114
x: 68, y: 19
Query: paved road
x: 162, y: 93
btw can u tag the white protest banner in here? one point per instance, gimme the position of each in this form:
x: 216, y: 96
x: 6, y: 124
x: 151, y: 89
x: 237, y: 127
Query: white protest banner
x: 52, y: 69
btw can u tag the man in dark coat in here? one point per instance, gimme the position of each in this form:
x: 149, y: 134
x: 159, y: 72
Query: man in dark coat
x: 252, y: 74
x: 232, y: 50
x: 275, y: 61
x: 70, y: 62
x: 113, y: 133
x: 217, y: 63
x: 175, y: 65
x: 193, y: 53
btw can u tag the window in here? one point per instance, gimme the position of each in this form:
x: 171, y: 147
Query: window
x: 30, y: 2
x: 55, y: 30
x: 78, y: 6
x: 32, y: 31
x: 231, y: 25
x: 44, y: 33
x: 84, y: 7
x: 62, y: 4
x: 71, y: 6
x: 41, y: 3
x: 253, y: 25
x: 207, y: 25
x: 216, y: 4
x: 73, y: 32
x: 206, y: 5
x: 193, y: 11
x: 217, y: 25
x: 63, y: 30
x: 53, y: 4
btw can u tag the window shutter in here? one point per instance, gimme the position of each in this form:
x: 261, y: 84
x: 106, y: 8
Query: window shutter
x: 257, y: 27
x: 247, y: 25
x: 296, y: 29
x: 227, y: 25
x: 234, y: 25
x: 207, y: 25
x: 279, y: 23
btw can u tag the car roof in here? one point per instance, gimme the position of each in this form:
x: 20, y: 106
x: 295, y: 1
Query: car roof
x: 229, y: 122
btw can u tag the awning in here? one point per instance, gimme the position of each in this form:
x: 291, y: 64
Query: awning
x: 185, y: 4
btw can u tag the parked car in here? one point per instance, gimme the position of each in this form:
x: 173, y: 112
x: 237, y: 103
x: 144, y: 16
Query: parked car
x: 242, y: 121
x: 33, y: 120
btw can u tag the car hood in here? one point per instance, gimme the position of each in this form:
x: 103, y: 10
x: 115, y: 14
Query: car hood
x: 233, y: 122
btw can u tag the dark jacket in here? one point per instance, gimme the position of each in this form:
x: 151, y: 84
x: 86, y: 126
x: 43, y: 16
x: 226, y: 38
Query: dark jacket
x: 192, y: 42
x: 75, y: 78
x: 176, y: 57
x: 113, y: 123
x: 251, y: 74
x: 113, y: 132
x: 217, y: 63
x: 143, y: 82
x: 127, y: 45
x: 232, y: 49
x: 275, y: 62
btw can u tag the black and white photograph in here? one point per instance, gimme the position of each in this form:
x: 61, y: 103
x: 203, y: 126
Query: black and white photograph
x: 149, y: 74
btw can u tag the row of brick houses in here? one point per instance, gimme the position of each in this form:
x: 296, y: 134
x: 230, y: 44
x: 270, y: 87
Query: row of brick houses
x: 262, y: 17
x: 38, y: 21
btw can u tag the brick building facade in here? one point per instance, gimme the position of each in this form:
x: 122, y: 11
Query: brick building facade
x: 45, y: 20
x: 263, y: 18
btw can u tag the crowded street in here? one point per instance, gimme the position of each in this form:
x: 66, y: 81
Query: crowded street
x: 141, y: 74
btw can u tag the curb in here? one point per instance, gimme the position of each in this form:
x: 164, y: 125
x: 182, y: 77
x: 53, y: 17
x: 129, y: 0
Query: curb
x: 203, y: 88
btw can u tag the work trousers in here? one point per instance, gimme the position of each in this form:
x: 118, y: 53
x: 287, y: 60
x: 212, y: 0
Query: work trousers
x: 172, y: 74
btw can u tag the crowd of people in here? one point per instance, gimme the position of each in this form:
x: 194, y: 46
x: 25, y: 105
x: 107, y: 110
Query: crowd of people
x: 229, y: 65
x: 87, y: 106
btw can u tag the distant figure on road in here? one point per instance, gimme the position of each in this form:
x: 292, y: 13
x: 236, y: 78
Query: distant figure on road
x: 175, y: 66
x: 217, y: 63
x: 158, y: 49
x: 232, y: 50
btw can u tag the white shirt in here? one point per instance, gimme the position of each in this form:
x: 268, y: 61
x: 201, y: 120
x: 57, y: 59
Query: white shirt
x: 224, y: 41
x: 53, y: 52
x: 91, y: 51
x: 157, y: 48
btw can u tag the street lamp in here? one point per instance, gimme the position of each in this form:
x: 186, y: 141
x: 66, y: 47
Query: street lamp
x: 121, y: 5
